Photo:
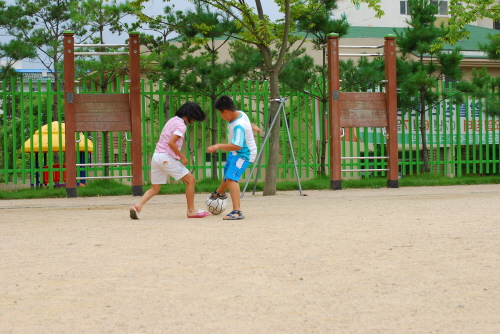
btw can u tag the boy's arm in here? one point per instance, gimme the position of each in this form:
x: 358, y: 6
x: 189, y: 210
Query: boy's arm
x: 225, y: 147
x: 256, y: 128
x: 171, y: 144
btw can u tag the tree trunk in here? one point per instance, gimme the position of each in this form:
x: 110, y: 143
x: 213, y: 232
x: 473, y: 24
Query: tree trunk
x: 55, y: 102
x: 324, y: 136
x: 424, y: 153
x: 324, y: 118
x: 105, y: 136
x: 425, y: 150
x: 213, y: 140
x: 274, y: 139
x: 213, y: 158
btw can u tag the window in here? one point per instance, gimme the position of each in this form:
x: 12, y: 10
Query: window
x: 403, y: 8
x: 496, y: 25
x: 442, y: 7
x: 449, y: 81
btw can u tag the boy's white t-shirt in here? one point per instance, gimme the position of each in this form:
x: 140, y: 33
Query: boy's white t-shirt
x: 240, y: 133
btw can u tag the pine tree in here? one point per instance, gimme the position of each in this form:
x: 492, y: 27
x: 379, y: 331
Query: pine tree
x: 301, y: 73
x: 419, y: 78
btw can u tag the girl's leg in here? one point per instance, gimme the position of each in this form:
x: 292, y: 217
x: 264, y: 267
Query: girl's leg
x: 190, y: 181
x: 134, y: 210
x: 155, y: 188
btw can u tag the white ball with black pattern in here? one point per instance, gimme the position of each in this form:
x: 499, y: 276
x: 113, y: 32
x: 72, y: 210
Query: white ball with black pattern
x: 216, y: 206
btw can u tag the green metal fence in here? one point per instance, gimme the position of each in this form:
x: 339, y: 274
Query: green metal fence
x: 462, y: 139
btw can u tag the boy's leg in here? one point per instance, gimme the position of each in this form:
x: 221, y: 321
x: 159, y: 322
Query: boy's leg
x: 234, y: 190
x: 221, y: 191
x: 222, y: 188
x: 232, y: 176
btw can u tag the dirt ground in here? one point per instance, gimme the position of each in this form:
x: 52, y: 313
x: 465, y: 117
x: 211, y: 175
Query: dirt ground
x: 407, y: 260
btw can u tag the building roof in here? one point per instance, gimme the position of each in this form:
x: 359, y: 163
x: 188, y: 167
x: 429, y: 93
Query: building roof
x: 470, y: 47
x: 36, y: 74
x: 477, y: 35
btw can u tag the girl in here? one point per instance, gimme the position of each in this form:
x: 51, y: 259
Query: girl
x: 168, y: 159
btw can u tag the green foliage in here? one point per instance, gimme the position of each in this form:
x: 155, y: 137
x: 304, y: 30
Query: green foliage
x: 20, y: 120
x: 485, y: 87
x: 16, y: 49
x: 242, y: 53
x: 419, y: 78
x: 13, y: 51
x: 274, y: 41
x: 300, y: 72
x: 492, y: 49
x: 98, y: 15
x: 421, y: 32
x: 104, y: 187
x: 41, y: 24
x: 463, y: 12
x: 113, y: 188
x: 203, y: 71
x: 320, y: 23
x: 163, y: 25
x: 363, y: 75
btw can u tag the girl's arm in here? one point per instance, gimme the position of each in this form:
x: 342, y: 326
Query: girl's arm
x: 173, y: 146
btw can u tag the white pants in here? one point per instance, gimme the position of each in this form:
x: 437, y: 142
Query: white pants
x: 164, y: 165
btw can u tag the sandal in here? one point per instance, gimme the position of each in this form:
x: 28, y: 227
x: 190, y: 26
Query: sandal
x: 215, y: 195
x: 234, y: 215
x: 134, y: 214
x: 200, y: 214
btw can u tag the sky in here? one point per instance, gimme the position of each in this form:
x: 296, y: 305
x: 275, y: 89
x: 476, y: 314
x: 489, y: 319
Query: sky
x: 153, y: 7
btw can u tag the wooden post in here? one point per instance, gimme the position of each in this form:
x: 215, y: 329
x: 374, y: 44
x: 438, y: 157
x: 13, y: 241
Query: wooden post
x: 69, y: 112
x: 334, y: 111
x: 392, y: 112
x: 135, y: 113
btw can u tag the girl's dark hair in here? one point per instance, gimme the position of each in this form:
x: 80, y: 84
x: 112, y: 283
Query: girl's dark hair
x: 192, y: 111
x: 225, y: 103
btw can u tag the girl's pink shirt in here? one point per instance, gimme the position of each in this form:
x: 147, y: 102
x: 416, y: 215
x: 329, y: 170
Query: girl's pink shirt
x: 176, y: 126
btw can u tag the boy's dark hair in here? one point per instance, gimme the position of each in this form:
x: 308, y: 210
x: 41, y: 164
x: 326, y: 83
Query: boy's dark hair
x: 225, y: 103
x: 192, y: 111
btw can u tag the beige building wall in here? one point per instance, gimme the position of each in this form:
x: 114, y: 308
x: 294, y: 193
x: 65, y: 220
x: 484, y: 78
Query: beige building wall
x: 467, y: 63
x: 364, y: 16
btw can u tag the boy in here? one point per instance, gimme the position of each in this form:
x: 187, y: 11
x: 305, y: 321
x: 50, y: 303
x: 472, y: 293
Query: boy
x: 242, y: 151
x: 169, y: 160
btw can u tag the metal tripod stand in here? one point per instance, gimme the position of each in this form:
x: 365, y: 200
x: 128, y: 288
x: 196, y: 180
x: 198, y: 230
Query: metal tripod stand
x: 281, y: 109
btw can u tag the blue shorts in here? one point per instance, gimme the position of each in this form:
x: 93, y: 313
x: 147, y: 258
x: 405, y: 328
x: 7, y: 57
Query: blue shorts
x: 234, y: 167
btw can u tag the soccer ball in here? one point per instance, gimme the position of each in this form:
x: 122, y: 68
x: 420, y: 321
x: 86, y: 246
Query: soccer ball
x: 216, y: 206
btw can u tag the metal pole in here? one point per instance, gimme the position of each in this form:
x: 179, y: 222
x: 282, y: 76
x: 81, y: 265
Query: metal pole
x: 291, y: 148
x: 268, y: 133
x: 256, y: 178
x: 282, y: 108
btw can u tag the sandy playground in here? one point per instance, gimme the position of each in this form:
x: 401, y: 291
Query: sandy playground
x: 407, y: 260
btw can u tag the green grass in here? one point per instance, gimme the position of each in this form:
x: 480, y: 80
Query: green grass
x: 113, y: 188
